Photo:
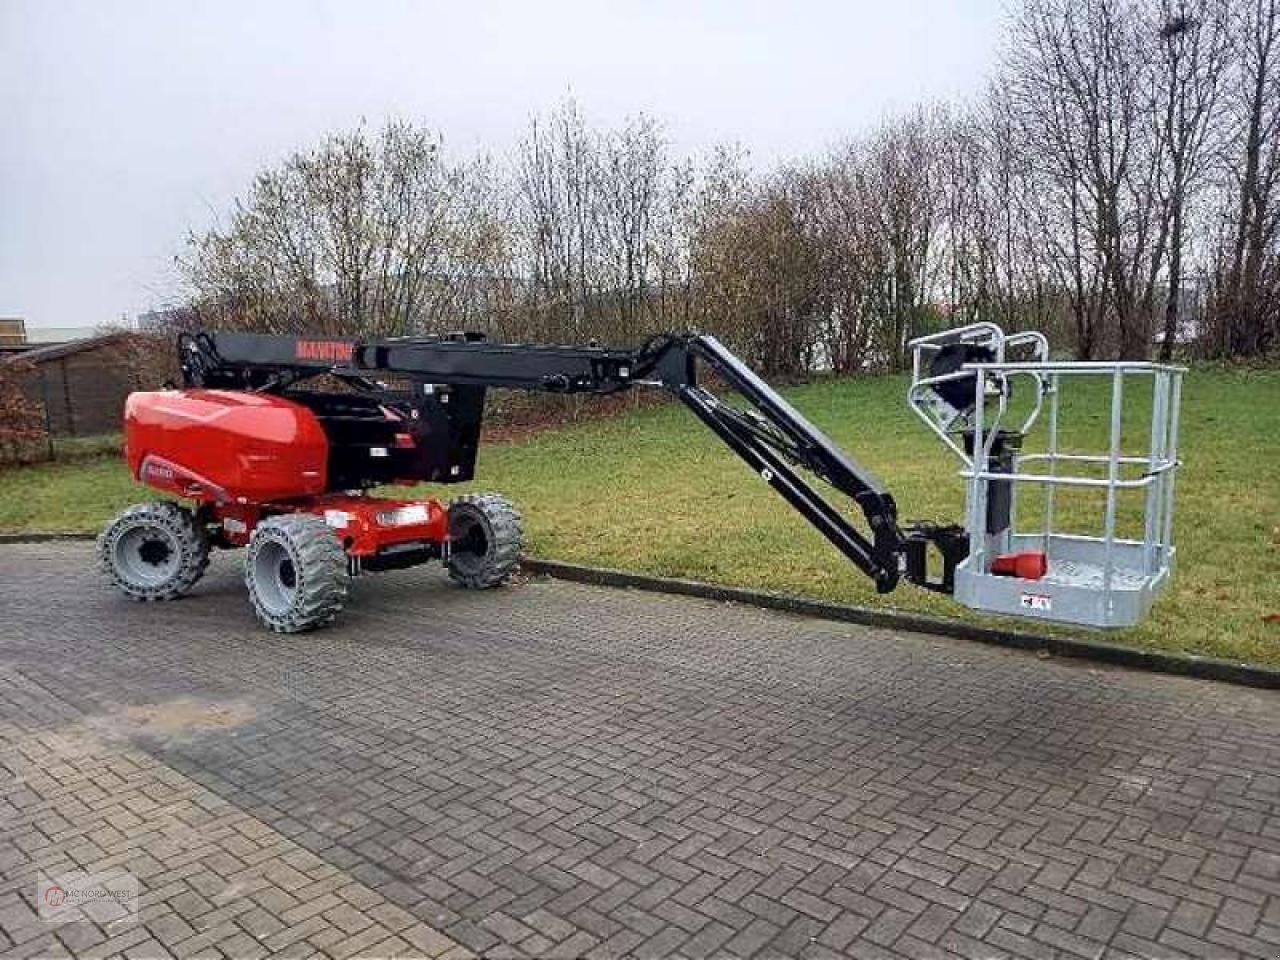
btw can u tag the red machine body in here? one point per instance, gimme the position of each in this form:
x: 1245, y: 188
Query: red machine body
x: 248, y: 455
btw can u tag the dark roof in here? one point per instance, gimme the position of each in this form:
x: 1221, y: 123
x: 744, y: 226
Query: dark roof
x: 56, y: 351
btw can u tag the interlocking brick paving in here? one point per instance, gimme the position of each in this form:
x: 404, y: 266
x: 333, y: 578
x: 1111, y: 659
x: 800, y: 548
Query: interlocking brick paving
x: 562, y: 770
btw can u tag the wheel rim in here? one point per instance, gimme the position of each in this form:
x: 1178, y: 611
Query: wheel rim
x: 468, y: 544
x: 275, y: 578
x: 147, y: 556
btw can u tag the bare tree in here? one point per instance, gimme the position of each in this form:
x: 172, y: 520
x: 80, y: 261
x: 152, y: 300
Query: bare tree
x: 722, y: 197
x: 852, y: 261
x: 1248, y: 270
x: 600, y: 219
x: 905, y: 184
x: 1192, y: 61
x: 554, y: 223
x: 1079, y: 76
x: 756, y: 270
x: 828, y: 264
x: 1012, y: 253
x: 362, y: 234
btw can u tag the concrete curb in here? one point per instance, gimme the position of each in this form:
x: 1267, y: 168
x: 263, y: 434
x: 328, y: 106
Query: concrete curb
x: 1180, y: 664
x: 1186, y: 665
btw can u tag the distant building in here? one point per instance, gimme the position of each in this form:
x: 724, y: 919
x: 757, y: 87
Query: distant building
x: 81, y: 384
x: 17, y: 336
x: 59, y: 334
x: 13, y: 332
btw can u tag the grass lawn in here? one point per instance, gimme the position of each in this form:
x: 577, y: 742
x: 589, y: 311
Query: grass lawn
x: 654, y: 491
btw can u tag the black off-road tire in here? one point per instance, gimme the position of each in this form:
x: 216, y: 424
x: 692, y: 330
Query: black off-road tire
x: 296, y: 573
x: 485, y: 540
x: 153, y: 551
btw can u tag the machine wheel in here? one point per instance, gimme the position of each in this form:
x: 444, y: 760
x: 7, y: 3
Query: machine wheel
x: 296, y: 573
x: 485, y: 539
x: 153, y: 551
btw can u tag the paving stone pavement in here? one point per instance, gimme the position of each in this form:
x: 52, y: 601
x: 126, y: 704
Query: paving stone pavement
x: 562, y: 770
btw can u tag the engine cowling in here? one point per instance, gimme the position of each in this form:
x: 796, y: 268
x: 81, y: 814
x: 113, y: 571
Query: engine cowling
x: 225, y: 446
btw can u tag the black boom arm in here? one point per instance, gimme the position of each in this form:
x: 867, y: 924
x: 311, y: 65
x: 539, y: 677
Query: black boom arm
x: 769, y: 434
x: 772, y: 437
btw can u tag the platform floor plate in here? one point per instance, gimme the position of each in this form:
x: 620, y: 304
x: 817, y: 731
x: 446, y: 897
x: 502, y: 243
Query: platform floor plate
x: 1078, y: 573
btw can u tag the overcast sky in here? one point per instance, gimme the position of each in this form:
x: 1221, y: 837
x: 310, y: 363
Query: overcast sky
x: 125, y: 125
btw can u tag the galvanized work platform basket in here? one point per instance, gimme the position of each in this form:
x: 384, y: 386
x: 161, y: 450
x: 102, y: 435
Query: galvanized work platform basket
x: 1097, y: 578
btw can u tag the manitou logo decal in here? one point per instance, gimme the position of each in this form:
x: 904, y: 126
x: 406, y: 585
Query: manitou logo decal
x: 157, y: 471
x: 333, y: 351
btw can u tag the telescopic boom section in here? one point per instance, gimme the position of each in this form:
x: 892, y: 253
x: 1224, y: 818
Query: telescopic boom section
x: 770, y: 435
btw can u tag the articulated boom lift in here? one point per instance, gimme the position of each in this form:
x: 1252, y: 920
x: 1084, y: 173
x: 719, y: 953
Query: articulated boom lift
x: 278, y: 439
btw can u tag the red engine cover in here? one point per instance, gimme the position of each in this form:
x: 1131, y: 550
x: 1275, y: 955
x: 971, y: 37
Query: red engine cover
x: 225, y: 446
